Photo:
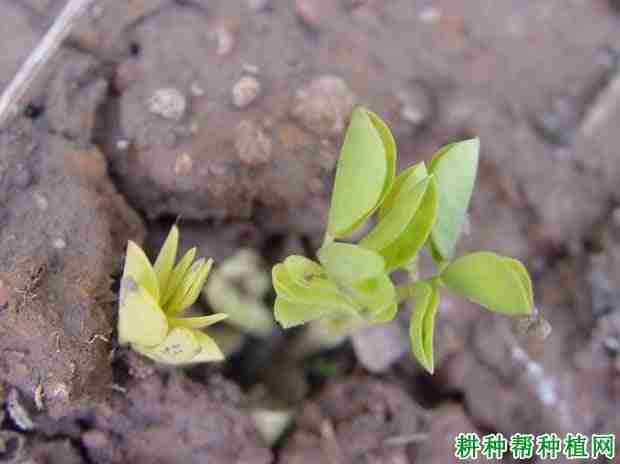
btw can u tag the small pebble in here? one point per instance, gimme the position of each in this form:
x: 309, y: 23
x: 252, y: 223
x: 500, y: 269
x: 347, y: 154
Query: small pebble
x: 417, y: 106
x: 430, y: 15
x: 168, y: 103
x: 245, y: 91
x: 197, y: 90
x: 324, y: 105
x: 122, y: 144
x: 17, y: 412
x: 252, y: 144
x: 250, y: 68
x: 378, y: 347
x: 40, y: 201
x: 225, y: 41
x: 612, y: 345
x: 39, y: 395
x: 308, y: 12
x: 258, y: 5
x: 59, y: 243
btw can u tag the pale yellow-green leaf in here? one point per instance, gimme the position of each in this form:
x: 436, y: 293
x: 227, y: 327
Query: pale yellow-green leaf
x: 400, y: 252
x: 289, y: 314
x: 395, y: 222
x: 196, y: 286
x: 422, y: 325
x: 166, y: 258
x: 361, y: 175
x: 140, y: 319
x: 179, y: 347
x: 455, y: 167
x: 316, y: 289
x: 209, y: 351
x: 526, y: 281
x: 197, y: 322
x: 405, y: 181
x: 138, y: 267
x: 347, y: 263
x: 389, y: 144
x: 302, y: 269
x: 376, y: 295
x: 178, y: 275
x: 386, y: 314
x: 190, y: 287
x: 492, y: 281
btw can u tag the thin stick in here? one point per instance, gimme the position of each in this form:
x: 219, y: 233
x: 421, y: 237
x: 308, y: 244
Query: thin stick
x: 40, y: 56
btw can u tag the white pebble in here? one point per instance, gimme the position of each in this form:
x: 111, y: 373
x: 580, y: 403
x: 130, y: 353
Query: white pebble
x: 197, y: 90
x: 59, y: 243
x: 245, y: 91
x: 430, y: 15
x: 225, y: 41
x: 168, y: 103
x: 40, y: 200
x: 250, y: 68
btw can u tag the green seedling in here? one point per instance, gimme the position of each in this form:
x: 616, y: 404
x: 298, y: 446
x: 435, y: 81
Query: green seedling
x: 153, y: 299
x: 350, y: 285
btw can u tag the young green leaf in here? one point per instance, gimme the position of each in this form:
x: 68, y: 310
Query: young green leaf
x: 179, y: 347
x: 317, y: 290
x: 526, y: 281
x: 455, y: 167
x: 405, y: 181
x: 347, y: 263
x: 400, y: 252
x: 166, y: 257
x: 376, y: 295
x: 138, y: 267
x: 289, y: 314
x: 389, y: 144
x: 302, y: 269
x: 422, y: 324
x: 386, y: 314
x: 394, y: 223
x: 493, y: 281
x: 140, y: 318
x: 191, y: 287
x: 361, y: 175
x: 177, y: 277
x: 197, y: 322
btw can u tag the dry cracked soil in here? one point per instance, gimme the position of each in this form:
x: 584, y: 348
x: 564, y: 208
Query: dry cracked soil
x: 227, y: 116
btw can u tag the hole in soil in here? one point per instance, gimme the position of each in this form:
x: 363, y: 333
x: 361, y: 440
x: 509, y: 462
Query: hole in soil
x: 339, y: 362
x: 34, y: 111
x: 12, y: 448
x: 592, y: 246
x: 135, y: 49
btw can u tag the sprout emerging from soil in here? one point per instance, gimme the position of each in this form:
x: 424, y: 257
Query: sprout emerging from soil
x: 152, y: 299
x: 350, y: 286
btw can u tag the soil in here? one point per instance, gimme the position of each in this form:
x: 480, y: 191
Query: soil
x: 227, y: 118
